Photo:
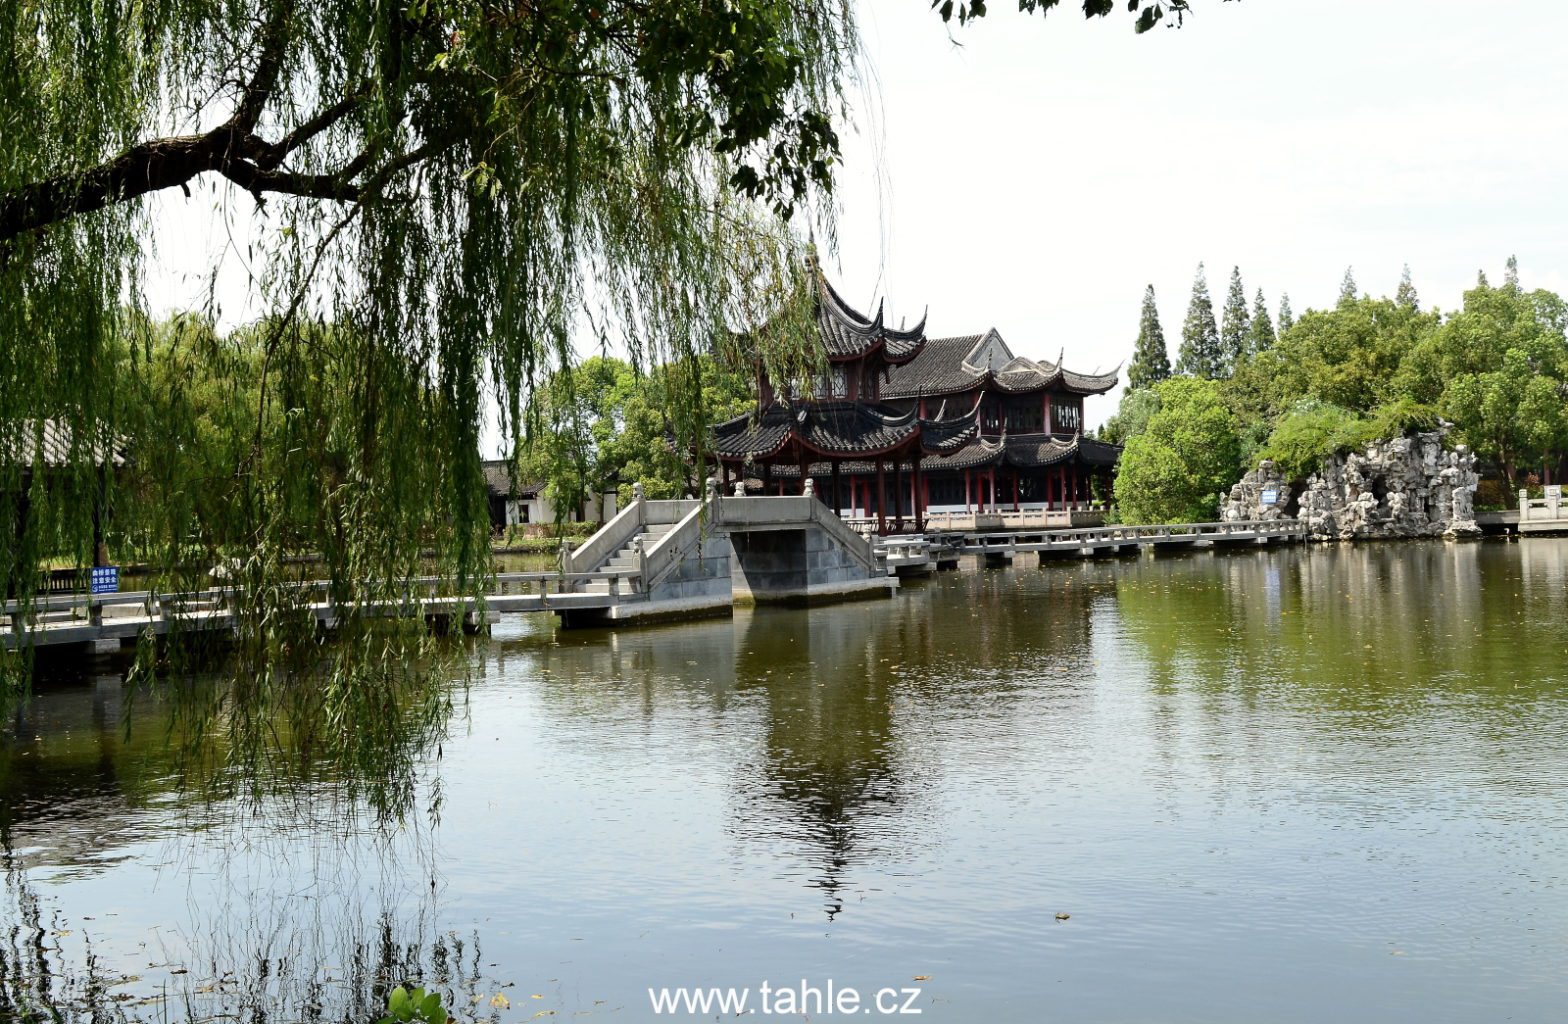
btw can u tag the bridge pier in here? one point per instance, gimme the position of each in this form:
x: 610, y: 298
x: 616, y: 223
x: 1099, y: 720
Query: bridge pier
x: 799, y: 567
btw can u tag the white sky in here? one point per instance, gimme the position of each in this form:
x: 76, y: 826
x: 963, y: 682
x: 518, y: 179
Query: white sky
x: 1037, y: 176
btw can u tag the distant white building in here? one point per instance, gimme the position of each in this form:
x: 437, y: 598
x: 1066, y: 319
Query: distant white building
x: 526, y: 503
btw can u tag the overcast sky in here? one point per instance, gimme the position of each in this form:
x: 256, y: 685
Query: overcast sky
x: 1038, y: 176
x: 1033, y: 174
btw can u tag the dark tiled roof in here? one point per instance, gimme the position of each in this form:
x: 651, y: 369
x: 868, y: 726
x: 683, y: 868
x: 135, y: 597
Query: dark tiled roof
x: 836, y: 427
x: 49, y: 443
x: 1090, y: 383
x: 1024, y: 451
x: 848, y: 333
x: 939, y: 369
x: 840, y: 427
x: 1031, y: 451
x: 499, y: 482
x: 1098, y: 453
x: 949, y: 435
x: 972, y: 456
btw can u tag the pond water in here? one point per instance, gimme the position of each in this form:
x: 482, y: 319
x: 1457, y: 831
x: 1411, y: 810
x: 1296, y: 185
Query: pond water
x: 1281, y: 785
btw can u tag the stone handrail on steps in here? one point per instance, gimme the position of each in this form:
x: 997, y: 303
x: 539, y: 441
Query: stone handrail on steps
x: 667, y: 552
x: 609, y: 538
x: 859, y: 548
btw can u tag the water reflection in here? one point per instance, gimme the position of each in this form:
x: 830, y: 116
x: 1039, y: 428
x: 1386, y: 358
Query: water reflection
x: 1272, y: 765
x: 244, y: 959
x: 836, y: 705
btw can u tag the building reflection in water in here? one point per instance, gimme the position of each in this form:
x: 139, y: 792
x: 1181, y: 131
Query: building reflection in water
x: 836, y: 705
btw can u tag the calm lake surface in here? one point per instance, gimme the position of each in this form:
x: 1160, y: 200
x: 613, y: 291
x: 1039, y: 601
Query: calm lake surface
x: 1293, y: 785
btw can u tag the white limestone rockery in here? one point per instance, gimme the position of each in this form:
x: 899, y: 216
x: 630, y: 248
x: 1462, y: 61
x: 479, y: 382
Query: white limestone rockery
x: 1410, y: 486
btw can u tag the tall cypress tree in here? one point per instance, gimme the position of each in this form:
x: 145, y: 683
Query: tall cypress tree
x: 1201, y: 354
x: 1406, y: 295
x: 1287, y: 319
x: 1150, y: 362
x: 1511, y: 273
x: 1235, y: 332
x: 1347, y: 288
x: 1263, y: 336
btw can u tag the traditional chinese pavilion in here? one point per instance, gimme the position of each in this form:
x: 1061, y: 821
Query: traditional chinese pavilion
x: 902, y: 425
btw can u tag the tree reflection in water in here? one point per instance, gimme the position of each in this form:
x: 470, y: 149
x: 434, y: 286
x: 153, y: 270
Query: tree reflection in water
x: 260, y: 962
x: 95, y: 770
x: 834, y: 707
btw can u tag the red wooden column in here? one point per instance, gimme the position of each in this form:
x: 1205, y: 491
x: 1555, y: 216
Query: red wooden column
x: 918, y: 492
x: 838, y: 494
x: 881, y: 511
x: 898, y: 496
x: 1015, y: 490
x: 969, y: 503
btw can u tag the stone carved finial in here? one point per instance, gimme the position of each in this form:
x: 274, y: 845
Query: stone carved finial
x: 810, y: 490
x: 711, y: 488
x: 637, y: 491
x: 740, y: 488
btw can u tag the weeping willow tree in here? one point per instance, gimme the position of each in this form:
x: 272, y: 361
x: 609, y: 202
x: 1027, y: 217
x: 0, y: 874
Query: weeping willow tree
x: 444, y: 194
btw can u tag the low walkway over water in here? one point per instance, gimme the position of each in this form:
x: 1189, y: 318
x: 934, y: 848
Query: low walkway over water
x: 655, y: 560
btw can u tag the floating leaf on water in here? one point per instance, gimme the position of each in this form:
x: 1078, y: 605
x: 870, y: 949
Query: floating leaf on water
x: 500, y: 1001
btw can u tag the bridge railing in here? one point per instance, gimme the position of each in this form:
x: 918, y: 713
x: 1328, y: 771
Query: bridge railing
x: 1547, y: 509
x: 670, y: 550
x: 857, y: 546
x: 608, y: 539
x: 62, y: 609
x: 1176, y: 531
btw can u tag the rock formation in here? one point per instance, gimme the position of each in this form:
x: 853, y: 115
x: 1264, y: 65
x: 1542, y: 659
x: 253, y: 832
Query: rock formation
x: 1408, y: 487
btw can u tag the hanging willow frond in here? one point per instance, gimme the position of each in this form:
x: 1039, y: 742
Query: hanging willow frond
x: 444, y: 192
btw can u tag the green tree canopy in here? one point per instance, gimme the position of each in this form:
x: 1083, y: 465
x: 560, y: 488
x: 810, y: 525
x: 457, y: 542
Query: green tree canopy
x: 601, y: 426
x: 1176, y: 469
x: 1406, y: 295
x: 1498, y: 369
x: 1262, y: 333
x: 1151, y: 362
x: 1370, y: 369
x: 1201, y: 354
x: 1347, y: 287
x: 1236, y: 325
x: 1132, y: 415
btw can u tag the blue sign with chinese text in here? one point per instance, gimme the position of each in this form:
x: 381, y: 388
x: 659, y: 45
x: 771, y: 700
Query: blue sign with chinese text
x: 106, y: 579
x: 1269, y: 497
